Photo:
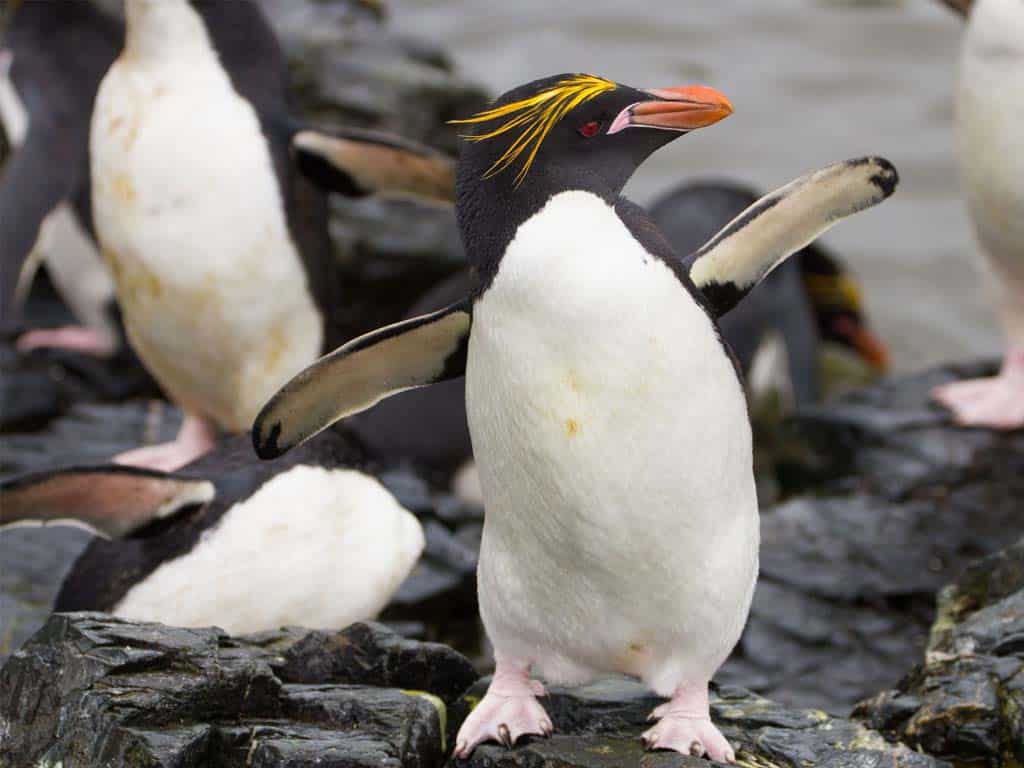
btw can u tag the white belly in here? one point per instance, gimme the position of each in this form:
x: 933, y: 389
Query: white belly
x: 312, y: 547
x: 990, y: 128
x: 191, y: 219
x: 614, y: 450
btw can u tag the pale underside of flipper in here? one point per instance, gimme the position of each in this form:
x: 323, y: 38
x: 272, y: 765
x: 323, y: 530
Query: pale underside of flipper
x: 111, y: 501
x: 783, y: 222
x: 359, y: 163
x: 409, y: 354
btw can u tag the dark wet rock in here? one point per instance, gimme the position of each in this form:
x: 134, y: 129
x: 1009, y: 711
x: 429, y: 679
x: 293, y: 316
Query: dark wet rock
x: 599, y: 726
x: 891, y: 440
x: 89, y: 433
x: 965, y: 703
x: 897, y: 503
x: 349, y: 68
x: 33, y: 563
x: 91, y: 690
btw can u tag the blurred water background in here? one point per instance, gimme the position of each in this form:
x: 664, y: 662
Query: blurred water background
x: 812, y: 81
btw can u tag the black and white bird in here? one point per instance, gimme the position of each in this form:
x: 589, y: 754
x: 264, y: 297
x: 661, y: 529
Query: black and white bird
x: 809, y: 301
x: 608, y: 419
x: 51, y: 62
x: 990, y: 128
x: 314, y: 540
x: 209, y: 206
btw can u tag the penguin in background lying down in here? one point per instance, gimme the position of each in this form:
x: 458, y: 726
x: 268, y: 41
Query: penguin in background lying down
x: 808, y: 301
x: 52, y: 59
x: 314, y: 540
x: 609, y: 423
x: 209, y: 206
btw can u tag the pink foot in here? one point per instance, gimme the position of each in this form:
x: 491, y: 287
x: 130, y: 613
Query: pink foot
x: 684, y: 725
x: 996, y: 402
x: 73, y: 337
x: 196, y: 437
x: 509, y: 710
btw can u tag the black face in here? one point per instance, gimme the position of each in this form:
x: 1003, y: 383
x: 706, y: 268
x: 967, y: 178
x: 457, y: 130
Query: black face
x: 566, y: 132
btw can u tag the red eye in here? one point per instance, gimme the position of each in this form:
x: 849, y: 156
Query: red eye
x: 590, y: 129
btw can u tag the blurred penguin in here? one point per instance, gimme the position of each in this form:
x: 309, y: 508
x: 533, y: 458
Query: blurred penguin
x: 807, y: 303
x: 210, y: 206
x: 990, y: 127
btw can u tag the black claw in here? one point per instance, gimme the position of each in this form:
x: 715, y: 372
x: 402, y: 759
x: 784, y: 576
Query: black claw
x: 504, y: 736
x: 697, y: 749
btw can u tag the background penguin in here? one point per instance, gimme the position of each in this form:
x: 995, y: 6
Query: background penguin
x: 594, y: 368
x: 54, y: 56
x: 990, y: 127
x: 209, y: 208
x: 314, y: 540
x: 808, y: 301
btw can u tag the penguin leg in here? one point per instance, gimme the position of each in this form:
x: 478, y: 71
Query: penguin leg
x: 77, y: 338
x: 196, y: 437
x: 684, y: 725
x: 996, y: 402
x: 508, y: 711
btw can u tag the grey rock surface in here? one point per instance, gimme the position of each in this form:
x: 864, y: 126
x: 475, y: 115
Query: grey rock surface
x: 599, y: 726
x: 90, y: 690
x: 893, y: 502
x: 965, y: 702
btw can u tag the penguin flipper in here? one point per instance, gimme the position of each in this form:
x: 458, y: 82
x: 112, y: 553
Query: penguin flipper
x: 405, y: 355
x: 781, y: 223
x: 111, y: 500
x: 357, y: 163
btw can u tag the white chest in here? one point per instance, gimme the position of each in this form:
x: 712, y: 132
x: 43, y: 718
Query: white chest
x: 13, y: 114
x: 191, y: 218
x: 990, y: 126
x: 590, y: 361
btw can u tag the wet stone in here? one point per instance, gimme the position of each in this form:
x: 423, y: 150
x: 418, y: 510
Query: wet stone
x: 965, y: 702
x: 899, y: 503
x: 599, y: 726
x: 92, y: 690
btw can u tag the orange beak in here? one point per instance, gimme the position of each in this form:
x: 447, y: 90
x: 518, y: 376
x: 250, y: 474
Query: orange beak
x: 871, y: 348
x: 675, y: 109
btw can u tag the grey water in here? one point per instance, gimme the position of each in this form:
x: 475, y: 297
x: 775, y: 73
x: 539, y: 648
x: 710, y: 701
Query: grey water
x: 813, y: 81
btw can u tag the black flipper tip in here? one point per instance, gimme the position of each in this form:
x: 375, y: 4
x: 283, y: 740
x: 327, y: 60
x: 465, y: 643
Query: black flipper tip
x: 266, y: 445
x: 887, y: 177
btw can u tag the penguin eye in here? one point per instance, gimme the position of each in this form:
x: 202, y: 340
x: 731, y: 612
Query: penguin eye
x: 587, y: 130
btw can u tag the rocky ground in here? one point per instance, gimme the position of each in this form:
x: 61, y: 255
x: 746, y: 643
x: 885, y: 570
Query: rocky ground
x: 89, y: 690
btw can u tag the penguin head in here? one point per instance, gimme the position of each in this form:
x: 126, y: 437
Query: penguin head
x: 578, y: 131
x: 835, y: 298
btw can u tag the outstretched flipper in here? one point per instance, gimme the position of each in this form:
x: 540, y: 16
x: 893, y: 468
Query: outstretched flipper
x: 409, y: 354
x: 778, y: 225
x: 357, y: 163
x: 111, y: 500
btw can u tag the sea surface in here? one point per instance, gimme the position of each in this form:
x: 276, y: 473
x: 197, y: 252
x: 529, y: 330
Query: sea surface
x: 813, y: 81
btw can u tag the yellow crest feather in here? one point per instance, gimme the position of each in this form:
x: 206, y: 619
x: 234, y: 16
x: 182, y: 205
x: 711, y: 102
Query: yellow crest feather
x: 535, y: 116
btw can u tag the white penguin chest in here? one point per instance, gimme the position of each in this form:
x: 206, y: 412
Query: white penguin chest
x: 990, y: 127
x: 191, y: 218
x: 598, y: 392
